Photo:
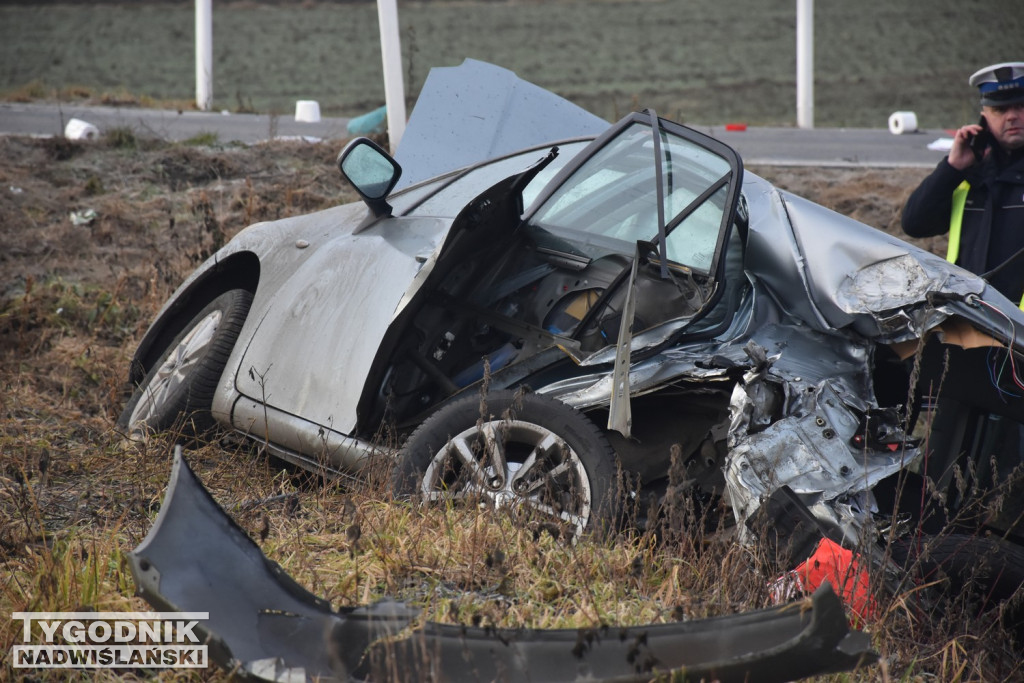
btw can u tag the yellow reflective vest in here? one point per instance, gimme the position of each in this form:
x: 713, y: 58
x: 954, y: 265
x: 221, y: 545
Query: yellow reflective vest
x: 956, y: 220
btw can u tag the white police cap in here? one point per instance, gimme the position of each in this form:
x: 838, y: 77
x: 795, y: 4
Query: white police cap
x: 1000, y: 84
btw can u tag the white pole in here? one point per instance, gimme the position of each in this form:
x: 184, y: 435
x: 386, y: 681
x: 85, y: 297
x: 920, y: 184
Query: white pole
x: 391, y: 53
x: 805, y: 63
x: 204, y: 54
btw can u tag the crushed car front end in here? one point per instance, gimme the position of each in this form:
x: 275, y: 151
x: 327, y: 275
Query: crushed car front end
x: 809, y: 387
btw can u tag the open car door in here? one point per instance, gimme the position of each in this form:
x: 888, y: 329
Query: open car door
x: 652, y: 186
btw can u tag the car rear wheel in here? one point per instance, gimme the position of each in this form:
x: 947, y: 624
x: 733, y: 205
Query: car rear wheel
x: 182, y: 382
x: 529, y: 454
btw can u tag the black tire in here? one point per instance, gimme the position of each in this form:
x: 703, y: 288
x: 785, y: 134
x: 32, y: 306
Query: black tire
x: 558, y: 467
x: 179, y: 388
x: 984, y: 570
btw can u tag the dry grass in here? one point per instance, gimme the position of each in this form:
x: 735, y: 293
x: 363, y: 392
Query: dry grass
x: 74, y: 496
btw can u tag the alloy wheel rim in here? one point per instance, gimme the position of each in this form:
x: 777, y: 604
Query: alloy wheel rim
x: 513, y: 465
x: 174, y: 371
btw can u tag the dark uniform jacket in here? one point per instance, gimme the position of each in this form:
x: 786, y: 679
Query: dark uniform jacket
x: 993, y: 222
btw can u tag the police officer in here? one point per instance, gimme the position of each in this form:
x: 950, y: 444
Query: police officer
x: 977, y: 195
x: 977, y: 192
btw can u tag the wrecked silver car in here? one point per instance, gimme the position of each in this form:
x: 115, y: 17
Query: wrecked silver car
x: 542, y: 321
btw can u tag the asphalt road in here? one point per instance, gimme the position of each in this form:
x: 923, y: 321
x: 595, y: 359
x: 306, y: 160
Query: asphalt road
x: 48, y: 119
x: 870, y: 147
x: 757, y: 146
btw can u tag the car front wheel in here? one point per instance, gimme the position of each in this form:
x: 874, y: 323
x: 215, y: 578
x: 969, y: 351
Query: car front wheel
x: 526, y: 453
x: 985, y: 572
x: 182, y: 382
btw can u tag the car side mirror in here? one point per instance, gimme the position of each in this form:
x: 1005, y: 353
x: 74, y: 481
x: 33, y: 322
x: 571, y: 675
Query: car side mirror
x: 371, y: 171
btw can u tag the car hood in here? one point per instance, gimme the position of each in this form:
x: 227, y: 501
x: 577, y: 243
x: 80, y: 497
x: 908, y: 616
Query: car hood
x: 477, y: 111
x: 835, y: 273
x: 861, y: 277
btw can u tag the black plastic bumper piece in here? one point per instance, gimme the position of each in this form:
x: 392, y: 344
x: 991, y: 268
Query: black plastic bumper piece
x: 263, y: 625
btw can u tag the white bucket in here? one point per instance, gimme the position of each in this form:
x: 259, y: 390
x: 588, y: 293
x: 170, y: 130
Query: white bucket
x: 77, y: 129
x: 307, y: 111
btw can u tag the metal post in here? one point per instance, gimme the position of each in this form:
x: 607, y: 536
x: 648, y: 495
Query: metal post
x: 391, y: 53
x: 204, y: 54
x: 805, y: 63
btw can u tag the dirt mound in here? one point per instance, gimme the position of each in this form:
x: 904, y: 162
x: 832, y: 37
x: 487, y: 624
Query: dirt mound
x: 96, y: 213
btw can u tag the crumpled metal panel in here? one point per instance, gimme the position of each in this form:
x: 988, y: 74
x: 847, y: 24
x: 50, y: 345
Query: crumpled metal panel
x: 859, y: 276
x: 823, y: 385
x: 264, y: 626
x: 773, y: 260
x: 793, y: 415
x: 808, y: 452
x: 477, y: 111
x: 800, y: 358
x: 832, y: 272
x: 592, y: 391
x: 802, y: 353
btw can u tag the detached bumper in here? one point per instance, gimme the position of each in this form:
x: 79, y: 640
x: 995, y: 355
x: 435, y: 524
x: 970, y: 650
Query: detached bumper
x: 265, y: 626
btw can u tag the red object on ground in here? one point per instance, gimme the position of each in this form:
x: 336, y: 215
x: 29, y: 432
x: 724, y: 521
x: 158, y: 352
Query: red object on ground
x: 833, y: 563
x: 736, y: 126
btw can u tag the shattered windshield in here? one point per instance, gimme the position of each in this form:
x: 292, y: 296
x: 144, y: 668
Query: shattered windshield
x: 610, y: 202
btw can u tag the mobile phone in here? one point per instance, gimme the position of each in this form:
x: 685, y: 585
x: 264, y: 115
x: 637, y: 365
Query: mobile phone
x: 980, y: 142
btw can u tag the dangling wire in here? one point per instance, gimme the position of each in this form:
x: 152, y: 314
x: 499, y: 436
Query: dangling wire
x: 1012, y: 334
x: 995, y: 376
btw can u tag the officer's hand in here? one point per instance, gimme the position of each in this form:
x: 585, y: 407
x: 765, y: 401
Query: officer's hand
x: 960, y: 155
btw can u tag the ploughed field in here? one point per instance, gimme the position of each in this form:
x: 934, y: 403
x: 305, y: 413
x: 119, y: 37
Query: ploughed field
x: 699, y: 61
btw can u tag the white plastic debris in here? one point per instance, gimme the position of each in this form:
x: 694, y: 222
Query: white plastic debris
x: 77, y: 129
x: 901, y: 122
x: 941, y: 144
x: 298, y: 138
x: 307, y: 111
x: 83, y: 217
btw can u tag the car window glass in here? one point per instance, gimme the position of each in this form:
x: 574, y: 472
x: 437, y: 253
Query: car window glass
x: 610, y: 202
x: 565, y: 154
x: 449, y: 200
x: 693, y: 241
